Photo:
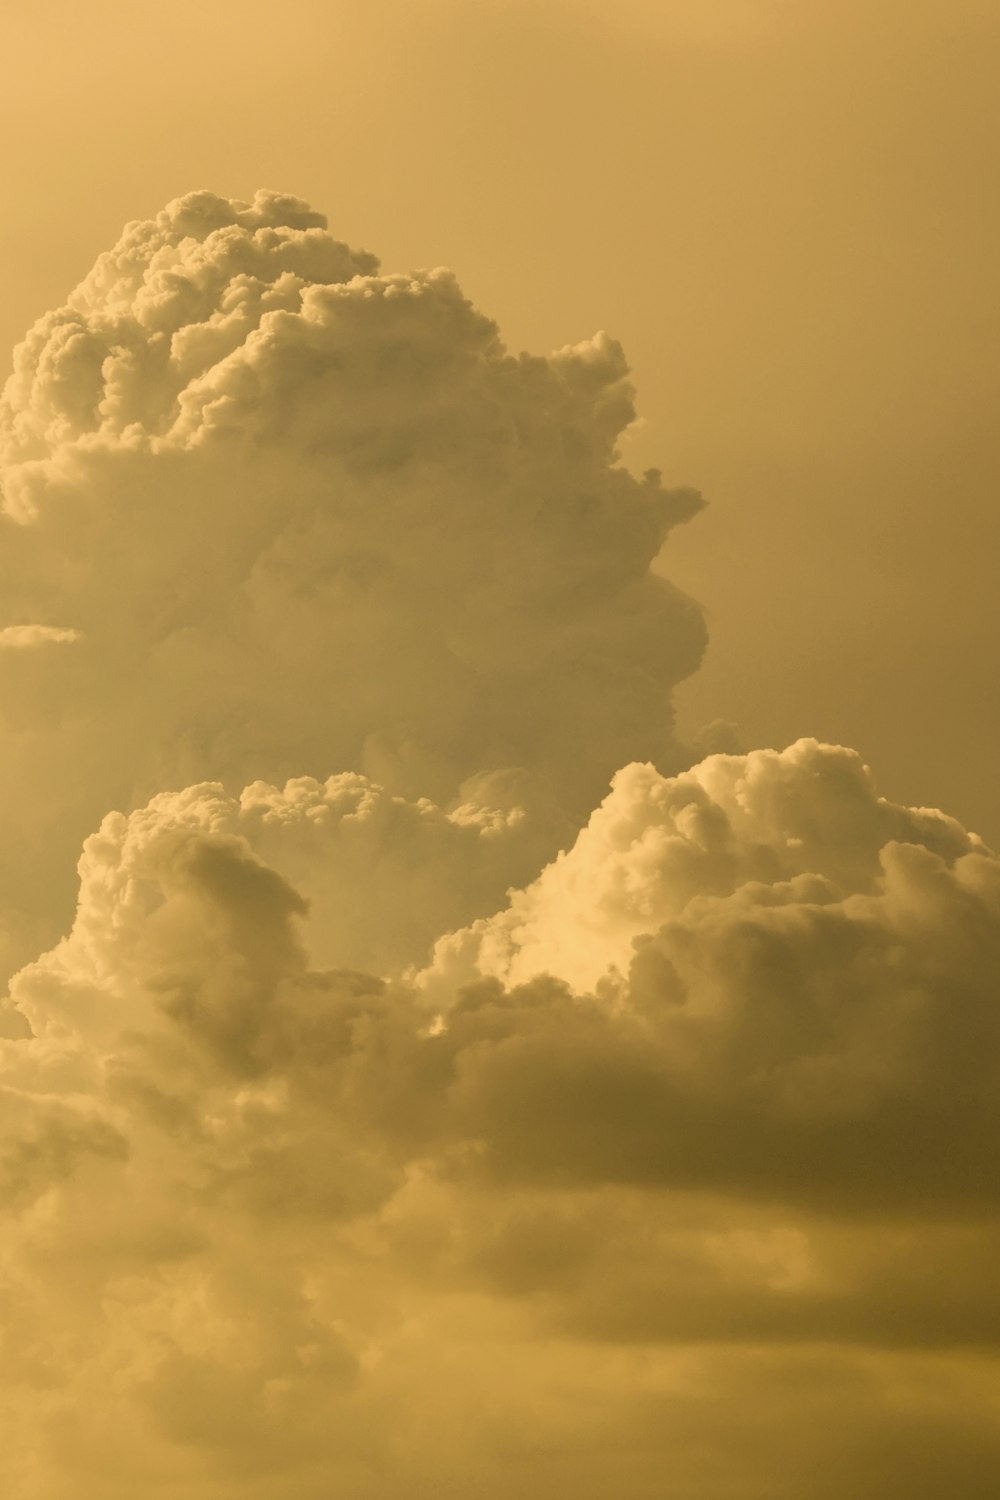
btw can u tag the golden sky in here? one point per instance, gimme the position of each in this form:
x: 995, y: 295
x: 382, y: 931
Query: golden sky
x: 499, y: 1035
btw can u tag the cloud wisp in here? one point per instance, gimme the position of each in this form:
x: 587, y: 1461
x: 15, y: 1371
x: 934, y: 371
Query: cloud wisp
x: 28, y: 637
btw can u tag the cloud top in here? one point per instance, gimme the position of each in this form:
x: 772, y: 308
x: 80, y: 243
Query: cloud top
x: 771, y: 828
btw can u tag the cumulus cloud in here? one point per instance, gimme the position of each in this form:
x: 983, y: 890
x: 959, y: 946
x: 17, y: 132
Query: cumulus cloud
x: 308, y: 518
x: 395, y: 1115
x: 787, y: 986
x: 781, y: 829
x: 723, y: 1094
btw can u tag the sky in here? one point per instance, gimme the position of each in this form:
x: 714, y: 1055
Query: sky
x: 496, y: 894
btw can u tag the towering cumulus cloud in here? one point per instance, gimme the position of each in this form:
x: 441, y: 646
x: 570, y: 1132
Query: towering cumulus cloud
x: 404, y: 1112
x: 301, y: 516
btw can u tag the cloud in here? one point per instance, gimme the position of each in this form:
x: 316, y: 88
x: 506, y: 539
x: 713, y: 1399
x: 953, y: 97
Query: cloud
x: 387, y: 1120
x: 26, y: 637
x: 310, y: 518
x: 771, y: 829
x: 383, y: 875
x: 784, y: 986
x: 724, y: 1095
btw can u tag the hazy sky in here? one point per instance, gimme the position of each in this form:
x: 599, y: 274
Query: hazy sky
x: 498, y: 1035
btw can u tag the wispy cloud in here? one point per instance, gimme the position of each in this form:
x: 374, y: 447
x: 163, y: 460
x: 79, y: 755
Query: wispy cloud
x: 27, y: 637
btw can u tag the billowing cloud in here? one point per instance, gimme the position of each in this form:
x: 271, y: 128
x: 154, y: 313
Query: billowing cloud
x: 782, y: 829
x: 403, y: 1112
x: 317, y: 1209
x: 793, y: 988
x: 312, y: 518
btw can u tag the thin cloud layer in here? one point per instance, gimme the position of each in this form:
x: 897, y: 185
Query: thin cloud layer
x: 356, y: 1140
x: 310, y: 518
